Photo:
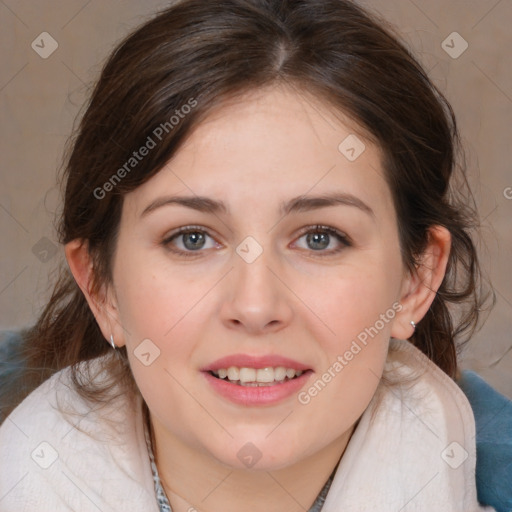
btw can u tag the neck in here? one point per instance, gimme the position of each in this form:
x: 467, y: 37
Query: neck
x: 196, y: 482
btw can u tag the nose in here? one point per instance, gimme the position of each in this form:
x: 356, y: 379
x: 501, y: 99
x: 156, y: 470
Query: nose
x: 257, y: 300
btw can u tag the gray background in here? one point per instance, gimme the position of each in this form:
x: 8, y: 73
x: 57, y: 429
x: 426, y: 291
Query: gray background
x: 39, y: 99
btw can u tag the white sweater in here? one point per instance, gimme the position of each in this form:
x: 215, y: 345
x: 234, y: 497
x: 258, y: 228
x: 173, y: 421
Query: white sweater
x: 416, y: 454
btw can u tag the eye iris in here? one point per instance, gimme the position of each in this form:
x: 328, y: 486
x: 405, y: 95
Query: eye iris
x: 319, y: 240
x: 196, y: 238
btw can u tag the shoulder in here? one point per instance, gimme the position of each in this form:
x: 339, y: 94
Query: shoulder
x: 60, y: 452
x: 493, y: 417
x: 419, y: 428
x: 421, y: 384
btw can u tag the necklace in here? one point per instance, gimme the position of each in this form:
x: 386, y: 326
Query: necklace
x: 163, y: 501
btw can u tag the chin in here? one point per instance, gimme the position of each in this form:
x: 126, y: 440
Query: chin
x: 255, y: 456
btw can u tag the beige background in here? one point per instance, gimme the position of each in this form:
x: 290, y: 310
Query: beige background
x: 39, y: 99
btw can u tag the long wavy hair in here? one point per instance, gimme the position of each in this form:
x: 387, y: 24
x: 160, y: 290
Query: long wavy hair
x: 210, y: 52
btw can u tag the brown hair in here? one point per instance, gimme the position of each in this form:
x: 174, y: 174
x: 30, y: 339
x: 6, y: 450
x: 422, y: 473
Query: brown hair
x: 208, y: 52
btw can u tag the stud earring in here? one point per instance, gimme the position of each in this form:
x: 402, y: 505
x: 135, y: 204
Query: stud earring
x: 413, y: 325
x: 112, y: 342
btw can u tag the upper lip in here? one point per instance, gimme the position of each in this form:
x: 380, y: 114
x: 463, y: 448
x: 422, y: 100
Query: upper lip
x: 248, y: 361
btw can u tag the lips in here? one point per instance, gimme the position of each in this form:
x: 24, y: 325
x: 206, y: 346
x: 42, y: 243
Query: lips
x: 247, y: 361
x: 245, y: 380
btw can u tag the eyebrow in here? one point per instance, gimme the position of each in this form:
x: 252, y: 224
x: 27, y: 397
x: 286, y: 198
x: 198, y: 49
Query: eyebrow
x: 294, y: 205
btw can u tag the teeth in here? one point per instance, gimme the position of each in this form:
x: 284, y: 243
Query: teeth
x: 233, y: 373
x: 265, y: 375
x: 280, y: 373
x: 253, y: 376
x: 246, y: 375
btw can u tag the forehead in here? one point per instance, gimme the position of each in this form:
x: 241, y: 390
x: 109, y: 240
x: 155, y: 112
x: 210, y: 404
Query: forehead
x: 269, y: 145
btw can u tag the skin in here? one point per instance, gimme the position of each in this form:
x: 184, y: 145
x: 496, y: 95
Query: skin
x: 253, y: 153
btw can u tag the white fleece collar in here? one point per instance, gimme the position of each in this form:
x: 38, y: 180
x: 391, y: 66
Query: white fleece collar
x: 407, y: 459
x: 418, y: 452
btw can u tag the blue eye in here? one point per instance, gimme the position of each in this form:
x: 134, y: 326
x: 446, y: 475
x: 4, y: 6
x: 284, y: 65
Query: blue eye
x: 320, y: 238
x: 190, y: 240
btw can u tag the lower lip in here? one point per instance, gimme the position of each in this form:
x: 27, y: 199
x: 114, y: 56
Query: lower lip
x: 257, y: 395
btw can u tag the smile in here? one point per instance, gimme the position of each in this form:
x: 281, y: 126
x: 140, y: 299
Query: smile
x: 251, y: 392
x: 268, y: 376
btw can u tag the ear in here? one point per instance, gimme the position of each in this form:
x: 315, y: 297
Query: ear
x: 101, y: 302
x: 420, y: 287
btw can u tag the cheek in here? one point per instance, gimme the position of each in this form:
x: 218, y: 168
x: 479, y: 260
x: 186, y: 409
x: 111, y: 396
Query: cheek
x: 358, y: 308
x: 355, y: 353
x: 164, y: 329
x: 156, y: 308
x: 155, y: 298
x: 356, y: 298
x: 353, y: 358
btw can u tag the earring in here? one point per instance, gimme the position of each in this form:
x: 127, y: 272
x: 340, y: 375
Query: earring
x: 112, y: 342
x: 413, y: 325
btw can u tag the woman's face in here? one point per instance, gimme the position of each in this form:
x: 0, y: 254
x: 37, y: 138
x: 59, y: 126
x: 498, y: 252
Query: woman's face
x: 257, y: 282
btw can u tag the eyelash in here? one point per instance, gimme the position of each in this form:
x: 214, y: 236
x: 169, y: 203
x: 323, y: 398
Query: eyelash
x: 342, y: 238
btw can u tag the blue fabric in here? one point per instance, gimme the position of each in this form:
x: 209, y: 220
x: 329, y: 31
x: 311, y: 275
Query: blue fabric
x: 492, y: 411
x: 11, y: 368
x: 493, y: 419
x: 11, y: 360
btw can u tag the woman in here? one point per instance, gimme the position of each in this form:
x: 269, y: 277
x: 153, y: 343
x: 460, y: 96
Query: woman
x: 265, y: 246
